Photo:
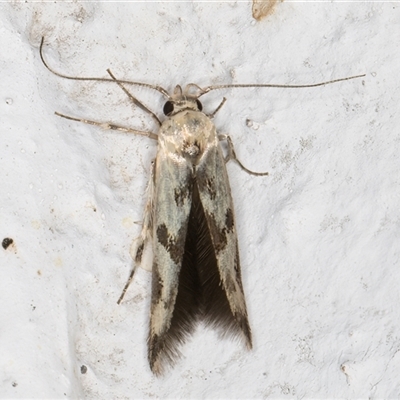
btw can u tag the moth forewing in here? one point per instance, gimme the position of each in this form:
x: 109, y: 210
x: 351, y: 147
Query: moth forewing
x: 215, y: 196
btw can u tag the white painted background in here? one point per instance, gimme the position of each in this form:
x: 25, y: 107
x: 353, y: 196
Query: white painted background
x: 319, y: 237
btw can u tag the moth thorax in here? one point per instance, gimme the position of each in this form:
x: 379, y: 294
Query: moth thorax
x: 191, y: 150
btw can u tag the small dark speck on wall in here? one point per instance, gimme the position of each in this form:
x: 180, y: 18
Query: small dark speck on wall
x: 6, y: 242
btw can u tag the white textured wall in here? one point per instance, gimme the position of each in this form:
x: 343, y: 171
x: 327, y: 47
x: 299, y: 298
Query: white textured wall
x: 319, y: 237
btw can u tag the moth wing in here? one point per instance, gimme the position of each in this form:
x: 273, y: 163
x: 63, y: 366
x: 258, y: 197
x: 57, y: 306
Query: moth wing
x: 172, y: 202
x: 215, y: 196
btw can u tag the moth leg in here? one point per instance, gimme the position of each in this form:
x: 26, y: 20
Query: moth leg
x: 140, y: 244
x: 232, y: 156
x: 134, y: 100
x: 212, y: 115
x: 108, y: 125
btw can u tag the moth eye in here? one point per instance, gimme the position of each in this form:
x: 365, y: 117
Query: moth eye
x: 199, y: 105
x: 168, y: 107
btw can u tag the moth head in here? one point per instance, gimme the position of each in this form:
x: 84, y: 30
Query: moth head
x: 181, y: 101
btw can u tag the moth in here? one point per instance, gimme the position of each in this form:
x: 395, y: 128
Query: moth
x: 189, y: 222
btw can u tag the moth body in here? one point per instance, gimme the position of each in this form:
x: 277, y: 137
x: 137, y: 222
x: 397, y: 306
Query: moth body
x: 196, y: 271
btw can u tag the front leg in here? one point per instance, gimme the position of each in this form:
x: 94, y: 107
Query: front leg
x: 110, y: 126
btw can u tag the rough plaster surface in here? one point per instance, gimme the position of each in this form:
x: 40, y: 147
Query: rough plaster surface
x: 319, y: 237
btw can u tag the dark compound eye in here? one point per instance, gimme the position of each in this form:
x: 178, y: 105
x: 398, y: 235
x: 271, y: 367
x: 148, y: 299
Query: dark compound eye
x: 199, y: 105
x: 168, y: 108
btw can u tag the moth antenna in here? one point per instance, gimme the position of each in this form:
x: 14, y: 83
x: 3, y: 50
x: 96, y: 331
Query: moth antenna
x: 134, y: 100
x: 271, y: 85
x: 76, y: 78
